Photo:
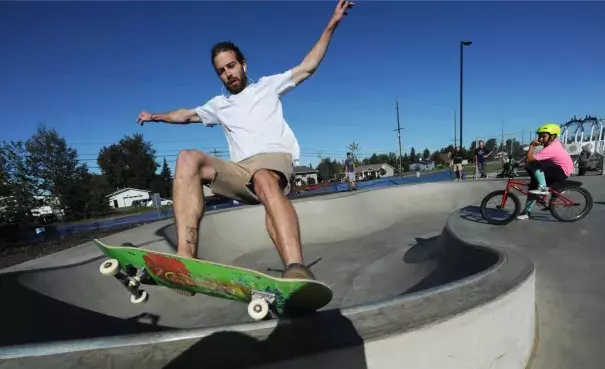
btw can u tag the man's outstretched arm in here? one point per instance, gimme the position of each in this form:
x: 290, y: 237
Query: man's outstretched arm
x: 179, y: 116
x: 315, y: 56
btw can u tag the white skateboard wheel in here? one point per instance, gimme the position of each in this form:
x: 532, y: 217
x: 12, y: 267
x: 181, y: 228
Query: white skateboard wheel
x: 258, y: 309
x: 141, y: 299
x: 110, y: 267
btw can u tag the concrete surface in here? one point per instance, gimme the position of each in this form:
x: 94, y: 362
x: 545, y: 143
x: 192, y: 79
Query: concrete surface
x: 474, y: 304
x: 570, y: 294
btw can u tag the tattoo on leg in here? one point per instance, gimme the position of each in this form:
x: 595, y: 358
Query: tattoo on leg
x: 192, y: 233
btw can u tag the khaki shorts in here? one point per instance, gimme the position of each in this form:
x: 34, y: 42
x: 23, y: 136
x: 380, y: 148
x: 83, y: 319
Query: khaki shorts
x: 457, y: 166
x: 234, y: 180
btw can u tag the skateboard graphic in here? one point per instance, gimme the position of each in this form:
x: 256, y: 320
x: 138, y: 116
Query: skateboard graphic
x: 133, y: 267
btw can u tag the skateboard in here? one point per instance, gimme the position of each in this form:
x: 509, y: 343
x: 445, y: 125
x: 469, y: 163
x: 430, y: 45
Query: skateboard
x: 134, y: 267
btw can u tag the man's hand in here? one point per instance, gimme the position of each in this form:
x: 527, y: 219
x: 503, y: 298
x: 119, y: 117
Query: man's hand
x: 536, y: 143
x: 341, y: 10
x: 311, y: 62
x: 179, y: 116
x: 144, y: 117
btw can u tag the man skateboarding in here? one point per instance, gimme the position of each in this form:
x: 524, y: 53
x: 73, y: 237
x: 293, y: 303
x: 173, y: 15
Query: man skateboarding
x: 261, y: 145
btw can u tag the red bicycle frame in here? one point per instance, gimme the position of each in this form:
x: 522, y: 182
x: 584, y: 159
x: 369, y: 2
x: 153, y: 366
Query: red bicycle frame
x: 541, y: 199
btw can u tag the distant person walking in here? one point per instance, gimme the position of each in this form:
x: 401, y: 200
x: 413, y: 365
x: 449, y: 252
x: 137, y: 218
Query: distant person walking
x: 583, y: 159
x: 350, y: 172
x: 481, y: 153
x: 456, y: 162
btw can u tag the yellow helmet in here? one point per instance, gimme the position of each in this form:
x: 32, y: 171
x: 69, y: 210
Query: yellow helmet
x: 551, y: 128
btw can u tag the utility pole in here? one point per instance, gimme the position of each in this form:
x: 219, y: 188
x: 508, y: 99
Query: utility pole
x: 455, y: 139
x: 399, y: 138
x: 503, y: 143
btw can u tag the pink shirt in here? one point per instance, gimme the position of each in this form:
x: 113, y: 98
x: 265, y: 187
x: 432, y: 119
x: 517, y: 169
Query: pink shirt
x: 556, y: 153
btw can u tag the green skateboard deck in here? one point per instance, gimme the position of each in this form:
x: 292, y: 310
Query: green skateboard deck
x: 134, y: 267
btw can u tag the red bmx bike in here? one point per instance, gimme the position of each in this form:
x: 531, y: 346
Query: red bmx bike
x: 557, y: 200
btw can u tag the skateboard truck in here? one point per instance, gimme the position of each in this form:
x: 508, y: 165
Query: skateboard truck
x: 258, y: 308
x: 111, y: 268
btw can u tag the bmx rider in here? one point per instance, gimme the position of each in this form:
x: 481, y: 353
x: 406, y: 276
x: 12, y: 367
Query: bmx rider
x: 552, y: 164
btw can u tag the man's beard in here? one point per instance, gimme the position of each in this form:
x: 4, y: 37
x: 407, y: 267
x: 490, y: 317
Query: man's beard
x: 243, y: 82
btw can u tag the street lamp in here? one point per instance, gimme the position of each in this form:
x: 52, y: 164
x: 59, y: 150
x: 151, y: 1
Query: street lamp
x: 462, y: 45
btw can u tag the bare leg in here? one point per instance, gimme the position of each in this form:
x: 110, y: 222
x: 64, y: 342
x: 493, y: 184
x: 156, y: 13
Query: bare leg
x: 272, y: 232
x: 192, y: 166
x: 282, y: 221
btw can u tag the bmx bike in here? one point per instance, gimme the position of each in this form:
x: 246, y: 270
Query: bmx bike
x: 552, y: 202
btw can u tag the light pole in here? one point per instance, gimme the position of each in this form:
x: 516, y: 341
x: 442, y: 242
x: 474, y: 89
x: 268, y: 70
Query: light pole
x: 462, y: 45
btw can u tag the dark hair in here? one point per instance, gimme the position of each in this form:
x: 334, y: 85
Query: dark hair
x: 349, y: 153
x: 226, y: 46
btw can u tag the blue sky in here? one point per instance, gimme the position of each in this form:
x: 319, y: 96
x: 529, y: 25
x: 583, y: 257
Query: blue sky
x: 88, y: 69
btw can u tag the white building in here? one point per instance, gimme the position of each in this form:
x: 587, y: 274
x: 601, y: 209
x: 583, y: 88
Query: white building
x: 207, y: 191
x: 305, y: 176
x: 422, y: 166
x: 373, y: 171
x: 123, y: 198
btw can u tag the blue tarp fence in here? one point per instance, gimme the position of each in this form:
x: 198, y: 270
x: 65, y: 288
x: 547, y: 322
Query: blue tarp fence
x: 154, y: 215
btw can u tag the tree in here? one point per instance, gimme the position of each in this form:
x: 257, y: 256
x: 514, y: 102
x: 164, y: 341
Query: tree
x: 17, y: 186
x: 353, y: 148
x: 56, y: 169
x: 129, y: 163
x: 426, y: 154
x: 413, y: 157
x: 390, y: 158
x: 90, y: 199
x: 166, y: 178
x: 329, y: 169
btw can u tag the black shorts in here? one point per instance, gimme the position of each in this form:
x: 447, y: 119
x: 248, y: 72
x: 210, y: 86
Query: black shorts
x: 552, y: 172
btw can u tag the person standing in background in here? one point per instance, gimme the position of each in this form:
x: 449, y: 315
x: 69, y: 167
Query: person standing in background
x: 481, y: 153
x: 583, y: 159
x: 350, y: 172
x: 456, y: 162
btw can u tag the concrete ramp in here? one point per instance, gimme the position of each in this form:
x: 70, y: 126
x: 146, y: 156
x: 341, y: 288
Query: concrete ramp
x: 402, y: 283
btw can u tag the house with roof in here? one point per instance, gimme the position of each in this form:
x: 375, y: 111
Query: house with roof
x: 125, y: 197
x: 129, y: 196
x: 372, y: 171
x: 305, y: 176
x: 422, y: 165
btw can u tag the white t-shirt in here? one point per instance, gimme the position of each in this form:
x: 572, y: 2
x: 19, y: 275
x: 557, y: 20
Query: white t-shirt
x: 253, y: 120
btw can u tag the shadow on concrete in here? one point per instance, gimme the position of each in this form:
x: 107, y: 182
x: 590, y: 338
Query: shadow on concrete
x: 31, y: 317
x: 473, y: 214
x: 312, y: 335
x: 454, y: 260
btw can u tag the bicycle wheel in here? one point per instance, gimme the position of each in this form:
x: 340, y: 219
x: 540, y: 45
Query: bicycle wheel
x: 555, y: 209
x: 486, y: 213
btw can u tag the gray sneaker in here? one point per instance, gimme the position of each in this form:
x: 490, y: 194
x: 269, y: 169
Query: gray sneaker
x: 524, y: 215
x: 297, y: 271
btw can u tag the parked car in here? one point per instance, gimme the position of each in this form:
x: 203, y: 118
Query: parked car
x: 163, y: 202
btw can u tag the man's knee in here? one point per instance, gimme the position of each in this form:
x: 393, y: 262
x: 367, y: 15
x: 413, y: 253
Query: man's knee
x: 266, y: 183
x: 191, y: 162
